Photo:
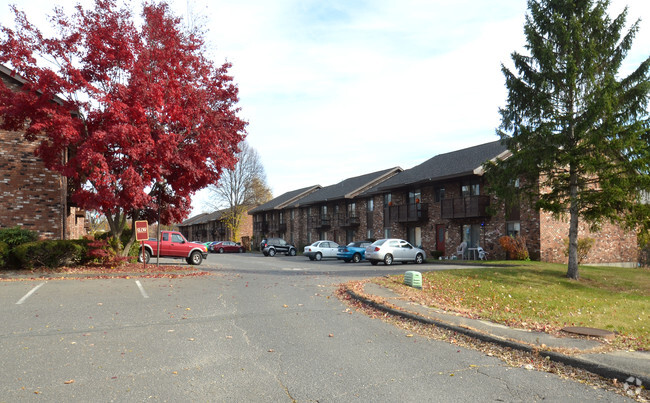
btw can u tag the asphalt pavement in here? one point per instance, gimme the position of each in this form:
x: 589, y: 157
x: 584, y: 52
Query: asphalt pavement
x: 630, y: 366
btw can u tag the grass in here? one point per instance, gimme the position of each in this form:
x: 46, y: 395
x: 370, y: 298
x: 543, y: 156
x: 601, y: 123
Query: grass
x: 538, y: 296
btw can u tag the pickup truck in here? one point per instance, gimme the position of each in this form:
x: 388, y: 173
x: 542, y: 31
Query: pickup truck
x: 174, y: 245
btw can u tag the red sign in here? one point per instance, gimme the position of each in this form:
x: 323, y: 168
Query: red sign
x: 141, y: 230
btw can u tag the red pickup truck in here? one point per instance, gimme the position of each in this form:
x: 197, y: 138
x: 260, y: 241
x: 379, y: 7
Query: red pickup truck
x: 174, y: 245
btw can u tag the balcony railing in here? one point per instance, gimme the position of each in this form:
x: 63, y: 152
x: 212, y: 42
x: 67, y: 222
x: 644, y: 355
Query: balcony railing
x: 320, y: 222
x: 465, y: 207
x: 414, y: 212
x: 261, y: 226
x: 278, y: 227
x: 348, y: 220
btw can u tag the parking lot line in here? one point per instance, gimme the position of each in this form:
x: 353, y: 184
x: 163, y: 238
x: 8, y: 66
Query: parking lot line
x: 142, y: 291
x: 33, y: 290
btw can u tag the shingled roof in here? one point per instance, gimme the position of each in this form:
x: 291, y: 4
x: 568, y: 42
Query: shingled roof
x: 283, y: 200
x: 455, y: 164
x: 202, y: 218
x: 347, y: 189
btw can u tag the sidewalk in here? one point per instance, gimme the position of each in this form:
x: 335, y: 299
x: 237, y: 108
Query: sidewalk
x: 619, y: 365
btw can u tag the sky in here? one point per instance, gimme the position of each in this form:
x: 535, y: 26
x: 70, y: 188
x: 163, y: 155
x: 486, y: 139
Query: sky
x: 340, y: 88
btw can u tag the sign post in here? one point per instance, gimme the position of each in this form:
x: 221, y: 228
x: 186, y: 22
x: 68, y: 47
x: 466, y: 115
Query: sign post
x: 142, y: 234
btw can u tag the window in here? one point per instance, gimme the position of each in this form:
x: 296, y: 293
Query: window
x: 281, y: 217
x: 415, y: 236
x: 352, y: 209
x: 388, y: 199
x: 387, y: 232
x: 471, y: 235
x: 323, y: 211
x: 177, y: 238
x: 165, y: 236
x: 513, y: 228
x: 349, y: 236
x: 293, y: 215
x: 470, y: 189
x: 371, y: 204
x: 439, y: 194
x: 369, y: 234
x: 415, y: 196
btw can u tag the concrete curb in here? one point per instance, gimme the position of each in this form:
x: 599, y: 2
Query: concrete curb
x: 598, y: 369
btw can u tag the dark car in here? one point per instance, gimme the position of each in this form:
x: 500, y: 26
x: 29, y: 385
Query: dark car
x: 271, y: 246
x: 353, y: 252
x: 225, y: 246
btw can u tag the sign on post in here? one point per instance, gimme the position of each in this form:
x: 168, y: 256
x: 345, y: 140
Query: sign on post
x: 141, y: 230
x: 142, y: 234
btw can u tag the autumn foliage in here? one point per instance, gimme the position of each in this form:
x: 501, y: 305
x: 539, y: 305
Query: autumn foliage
x: 515, y: 247
x: 135, y: 116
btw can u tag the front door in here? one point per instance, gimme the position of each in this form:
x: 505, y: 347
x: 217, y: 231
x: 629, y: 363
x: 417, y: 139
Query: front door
x: 440, y: 238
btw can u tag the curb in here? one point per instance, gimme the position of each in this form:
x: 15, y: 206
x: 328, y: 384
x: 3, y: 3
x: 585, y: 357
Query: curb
x: 598, y: 369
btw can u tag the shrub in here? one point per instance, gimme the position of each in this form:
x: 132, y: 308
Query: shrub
x: 4, y: 251
x: 49, y: 253
x: 515, y: 247
x: 584, y: 247
x: 436, y: 254
x: 17, y: 236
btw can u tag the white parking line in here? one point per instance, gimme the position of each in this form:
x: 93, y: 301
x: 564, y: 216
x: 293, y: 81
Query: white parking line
x: 142, y: 291
x: 33, y: 290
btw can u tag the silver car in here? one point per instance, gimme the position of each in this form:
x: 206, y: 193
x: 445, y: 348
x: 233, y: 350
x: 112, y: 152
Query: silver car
x: 394, y: 250
x: 321, y: 250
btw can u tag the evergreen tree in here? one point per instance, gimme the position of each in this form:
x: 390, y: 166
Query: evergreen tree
x: 577, y: 131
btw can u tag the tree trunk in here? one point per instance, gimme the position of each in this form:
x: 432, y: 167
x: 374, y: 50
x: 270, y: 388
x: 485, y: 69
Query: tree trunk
x: 572, y: 271
x: 127, y: 247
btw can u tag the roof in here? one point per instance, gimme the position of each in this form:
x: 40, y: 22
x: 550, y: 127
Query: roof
x: 202, y: 218
x: 455, y: 164
x: 284, y: 199
x: 349, y: 188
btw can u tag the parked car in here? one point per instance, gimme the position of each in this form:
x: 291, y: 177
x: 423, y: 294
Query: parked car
x: 394, y: 250
x: 321, y: 250
x: 353, y: 252
x: 225, y: 246
x: 173, y: 245
x: 271, y: 246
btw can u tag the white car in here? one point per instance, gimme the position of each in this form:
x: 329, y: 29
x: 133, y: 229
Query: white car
x: 394, y: 250
x: 321, y: 249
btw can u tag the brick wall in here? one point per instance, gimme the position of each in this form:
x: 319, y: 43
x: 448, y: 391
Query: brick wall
x: 612, y: 244
x: 30, y: 195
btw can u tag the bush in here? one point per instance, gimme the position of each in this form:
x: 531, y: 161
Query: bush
x: 50, y: 254
x: 436, y: 254
x: 515, y: 247
x: 4, y: 251
x: 584, y: 247
x: 17, y: 236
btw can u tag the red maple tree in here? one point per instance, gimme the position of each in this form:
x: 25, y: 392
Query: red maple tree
x: 135, y: 116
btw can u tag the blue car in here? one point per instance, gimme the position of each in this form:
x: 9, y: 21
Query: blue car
x: 353, y: 252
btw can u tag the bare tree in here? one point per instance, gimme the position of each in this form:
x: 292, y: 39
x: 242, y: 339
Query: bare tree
x: 240, y: 188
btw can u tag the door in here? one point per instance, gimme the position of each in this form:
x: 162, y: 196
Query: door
x: 440, y: 238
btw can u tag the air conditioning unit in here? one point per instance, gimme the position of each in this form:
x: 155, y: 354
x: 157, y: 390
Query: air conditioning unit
x: 413, y: 279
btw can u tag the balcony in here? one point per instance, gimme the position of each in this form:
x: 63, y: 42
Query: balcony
x: 349, y: 220
x: 465, y: 207
x: 261, y: 226
x: 320, y: 222
x: 407, y: 213
x: 278, y: 227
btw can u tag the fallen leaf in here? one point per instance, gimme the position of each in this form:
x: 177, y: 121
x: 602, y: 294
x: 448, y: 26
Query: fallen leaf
x: 69, y: 382
x: 409, y: 335
x: 271, y: 350
x: 330, y: 335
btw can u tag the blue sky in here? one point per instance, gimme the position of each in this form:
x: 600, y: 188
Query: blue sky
x: 335, y: 89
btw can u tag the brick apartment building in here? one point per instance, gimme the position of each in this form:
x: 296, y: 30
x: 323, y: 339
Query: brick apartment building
x: 436, y: 205
x: 208, y: 227
x: 32, y: 196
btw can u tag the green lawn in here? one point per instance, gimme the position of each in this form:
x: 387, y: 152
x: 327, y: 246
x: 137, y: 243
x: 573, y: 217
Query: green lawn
x: 538, y: 296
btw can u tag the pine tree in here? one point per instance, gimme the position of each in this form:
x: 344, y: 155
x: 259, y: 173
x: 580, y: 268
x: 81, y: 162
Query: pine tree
x: 578, y: 132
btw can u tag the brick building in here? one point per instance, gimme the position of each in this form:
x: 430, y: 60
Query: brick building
x: 207, y: 227
x: 32, y: 196
x: 435, y: 205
